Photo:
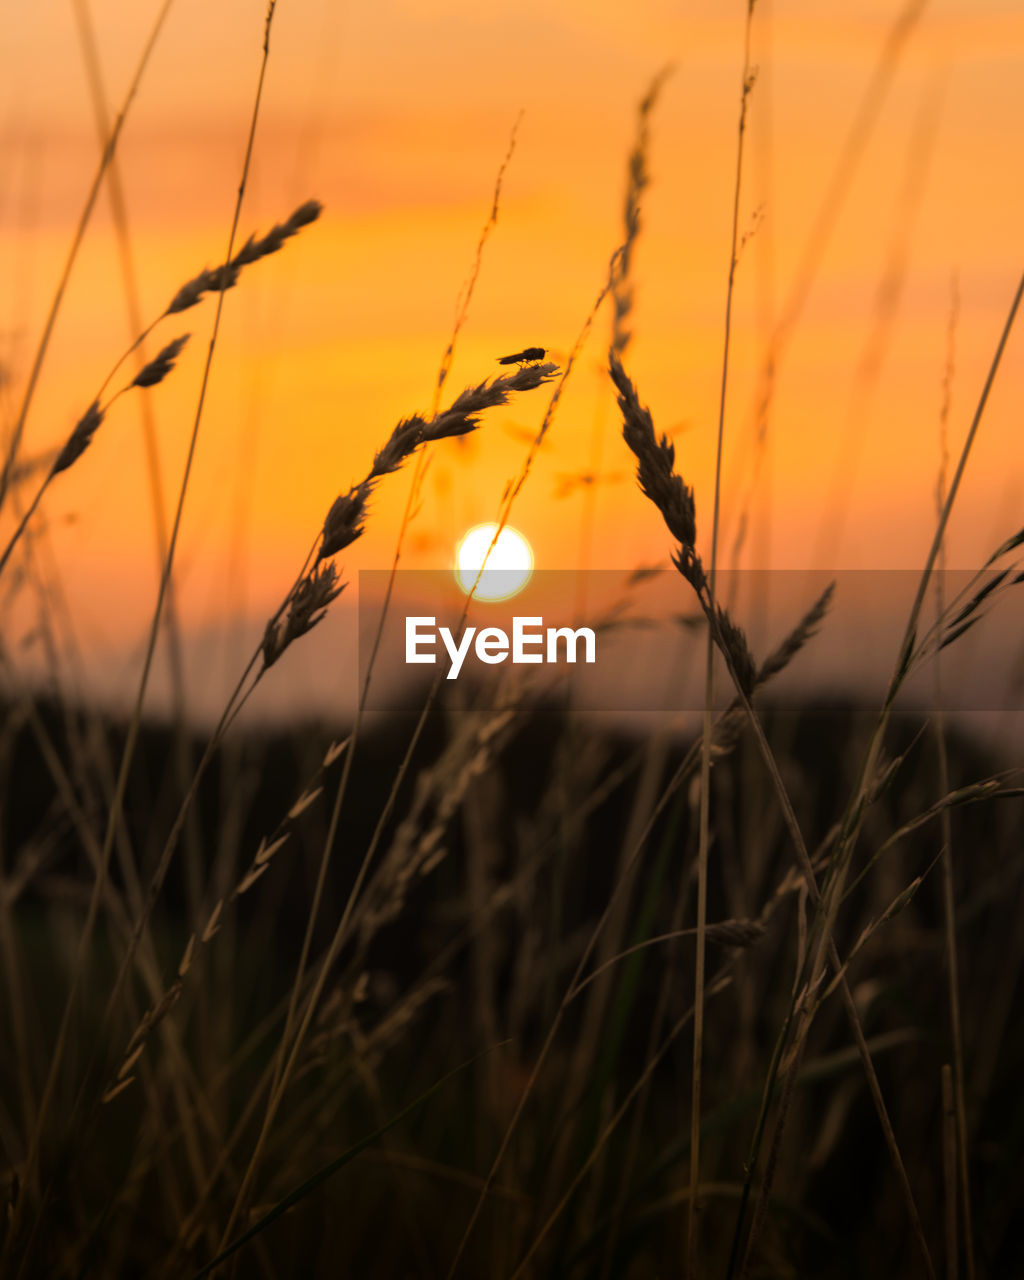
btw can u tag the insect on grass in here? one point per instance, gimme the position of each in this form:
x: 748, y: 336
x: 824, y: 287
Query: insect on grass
x: 526, y: 356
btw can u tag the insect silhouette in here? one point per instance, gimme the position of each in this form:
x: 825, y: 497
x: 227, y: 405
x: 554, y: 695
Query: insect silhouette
x: 528, y: 356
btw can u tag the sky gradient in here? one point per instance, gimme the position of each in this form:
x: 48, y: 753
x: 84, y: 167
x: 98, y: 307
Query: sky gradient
x: 397, y: 117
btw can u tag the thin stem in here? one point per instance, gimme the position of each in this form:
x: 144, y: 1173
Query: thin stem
x: 90, y: 56
x: 462, y: 310
x: 855, y: 810
x: 693, y: 1206
x: 76, y: 243
x: 849, y: 156
x: 118, y: 207
x: 341, y: 931
x: 619, y: 956
x: 722, y: 981
x: 807, y: 870
x: 283, y: 1065
x: 134, y: 726
x: 22, y: 524
x: 852, y: 818
x: 961, y: 466
x: 958, y: 1135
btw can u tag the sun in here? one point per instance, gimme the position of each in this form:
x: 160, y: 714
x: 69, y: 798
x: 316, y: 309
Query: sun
x: 509, y: 564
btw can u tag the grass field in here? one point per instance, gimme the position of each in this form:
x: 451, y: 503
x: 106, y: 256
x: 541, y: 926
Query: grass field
x: 483, y: 983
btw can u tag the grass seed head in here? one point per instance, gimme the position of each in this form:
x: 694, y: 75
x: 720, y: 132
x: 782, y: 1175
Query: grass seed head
x: 345, y: 520
x: 160, y: 366
x: 308, y: 606
x: 80, y: 438
x: 655, y: 463
x: 209, y: 280
x: 254, y: 249
x: 402, y: 442
x: 530, y: 377
x: 309, y: 603
x: 733, y: 643
x: 781, y: 657
x: 224, y: 277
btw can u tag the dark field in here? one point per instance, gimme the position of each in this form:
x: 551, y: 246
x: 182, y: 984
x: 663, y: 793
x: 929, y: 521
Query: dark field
x: 506, y: 843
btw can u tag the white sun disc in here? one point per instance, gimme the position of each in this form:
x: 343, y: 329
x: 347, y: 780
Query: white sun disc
x: 509, y: 564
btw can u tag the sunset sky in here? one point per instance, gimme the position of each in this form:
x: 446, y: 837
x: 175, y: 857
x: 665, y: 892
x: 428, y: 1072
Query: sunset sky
x: 397, y: 117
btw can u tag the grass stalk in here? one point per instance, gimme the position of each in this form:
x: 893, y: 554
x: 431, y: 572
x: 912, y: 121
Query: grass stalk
x: 949, y: 1171
x: 720, y: 983
x: 692, y: 1204
x: 462, y: 310
x: 154, y: 469
x: 853, y: 817
x: 114, y: 816
x: 848, y: 159
x: 526, y: 379
x: 76, y: 243
x: 662, y: 485
x: 959, y: 1138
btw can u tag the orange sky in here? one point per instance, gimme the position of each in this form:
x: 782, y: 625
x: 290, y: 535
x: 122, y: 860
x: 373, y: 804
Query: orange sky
x: 397, y: 116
